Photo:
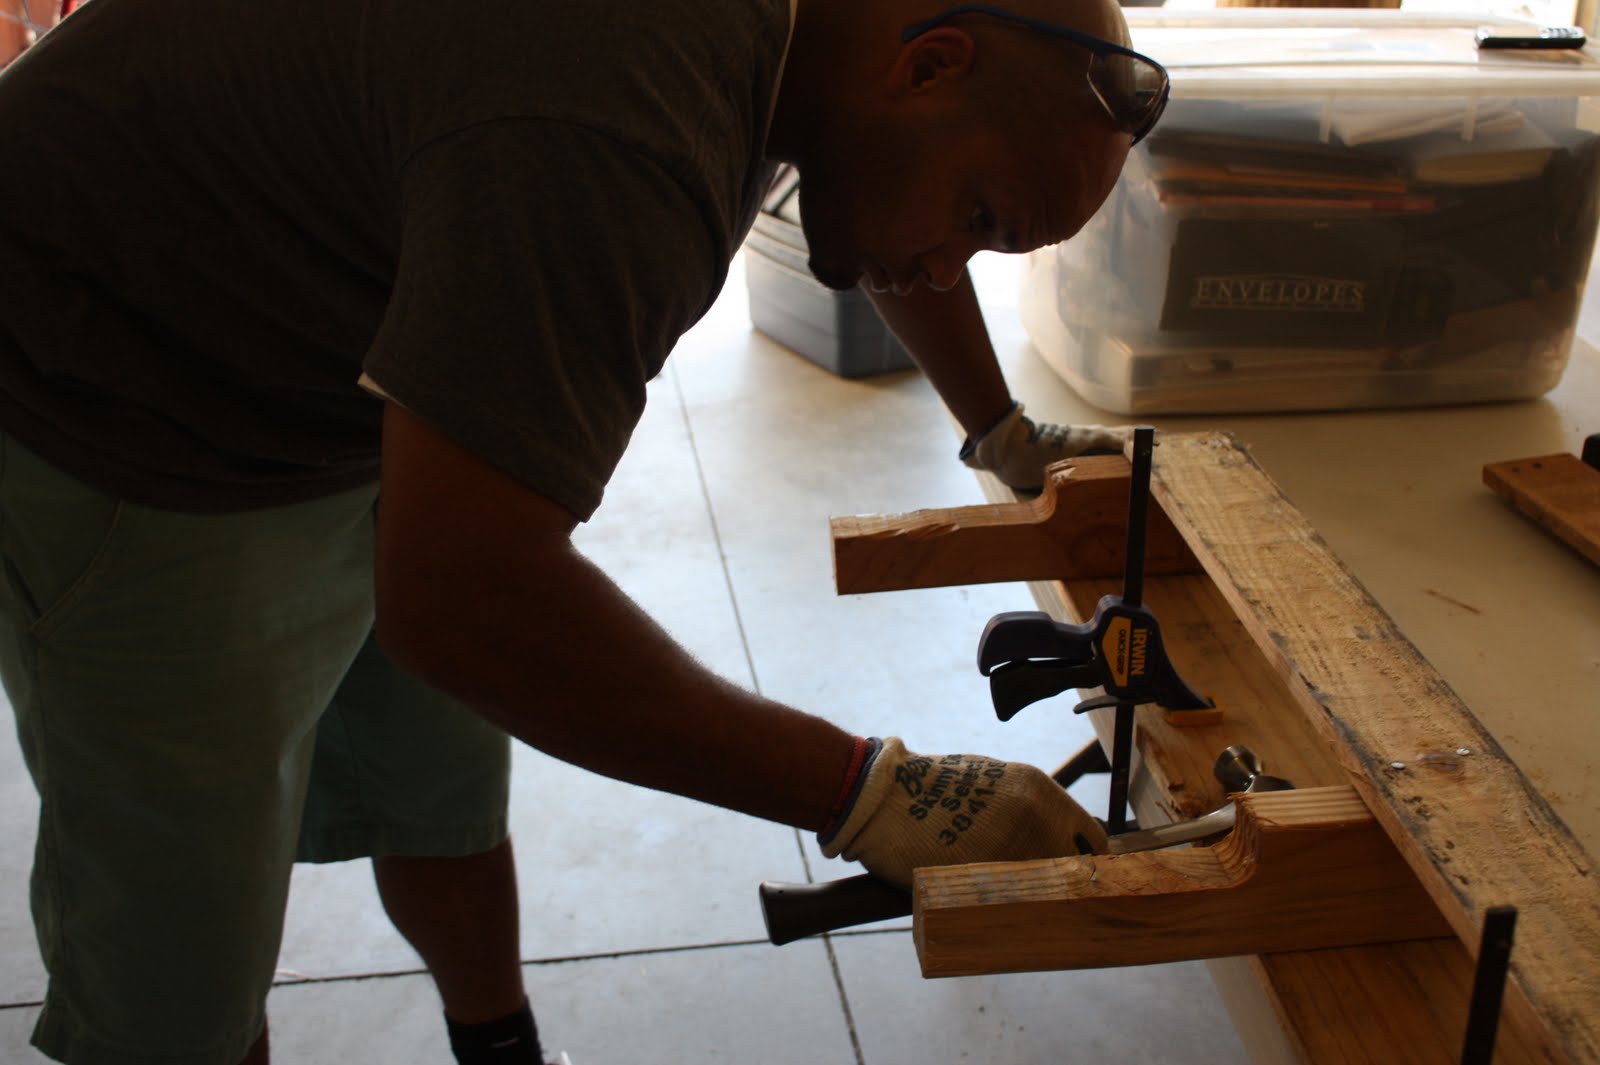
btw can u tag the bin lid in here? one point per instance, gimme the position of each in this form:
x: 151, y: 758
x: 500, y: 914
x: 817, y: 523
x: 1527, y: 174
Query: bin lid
x: 1286, y: 53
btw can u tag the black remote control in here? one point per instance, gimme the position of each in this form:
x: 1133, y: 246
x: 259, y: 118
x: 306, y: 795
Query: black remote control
x: 1531, y: 37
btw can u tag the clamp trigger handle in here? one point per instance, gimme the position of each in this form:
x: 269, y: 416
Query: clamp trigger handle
x: 1028, y: 656
x: 1016, y: 636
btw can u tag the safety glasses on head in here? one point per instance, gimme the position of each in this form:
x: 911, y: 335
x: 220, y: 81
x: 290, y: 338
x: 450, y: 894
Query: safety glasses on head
x: 1132, y: 88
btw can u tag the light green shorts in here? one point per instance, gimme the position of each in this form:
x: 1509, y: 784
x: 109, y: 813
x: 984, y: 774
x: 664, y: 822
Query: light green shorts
x: 200, y: 702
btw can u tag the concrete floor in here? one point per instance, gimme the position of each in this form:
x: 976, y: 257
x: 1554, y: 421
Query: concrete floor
x: 643, y: 942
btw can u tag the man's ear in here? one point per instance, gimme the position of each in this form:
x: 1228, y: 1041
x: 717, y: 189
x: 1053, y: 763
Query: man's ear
x: 930, y: 61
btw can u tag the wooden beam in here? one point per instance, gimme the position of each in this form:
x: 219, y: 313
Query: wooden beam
x: 1341, y: 1006
x: 1301, y: 870
x: 1467, y: 821
x: 1077, y: 527
x: 1380, y: 1004
x: 1560, y: 493
x: 1370, y: 1005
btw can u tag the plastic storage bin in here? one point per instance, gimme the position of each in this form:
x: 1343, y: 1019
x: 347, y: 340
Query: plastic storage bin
x: 840, y: 331
x: 1340, y: 208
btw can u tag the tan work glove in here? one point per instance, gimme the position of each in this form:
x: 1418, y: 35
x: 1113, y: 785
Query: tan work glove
x: 911, y: 810
x: 1017, y: 449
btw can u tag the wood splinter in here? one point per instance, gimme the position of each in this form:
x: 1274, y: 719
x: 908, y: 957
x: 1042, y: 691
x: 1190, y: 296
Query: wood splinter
x: 1302, y: 870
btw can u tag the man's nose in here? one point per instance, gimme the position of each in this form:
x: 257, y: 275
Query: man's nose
x: 942, y: 270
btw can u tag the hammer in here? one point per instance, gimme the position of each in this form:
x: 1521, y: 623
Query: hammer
x: 795, y: 911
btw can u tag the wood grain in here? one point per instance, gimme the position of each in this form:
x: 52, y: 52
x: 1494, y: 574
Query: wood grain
x: 1370, y: 1005
x: 1467, y: 821
x: 1077, y: 527
x: 1304, y: 869
x: 1560, y: 493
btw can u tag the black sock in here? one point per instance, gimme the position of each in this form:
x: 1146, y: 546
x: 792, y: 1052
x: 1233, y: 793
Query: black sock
x: 512, y: 1040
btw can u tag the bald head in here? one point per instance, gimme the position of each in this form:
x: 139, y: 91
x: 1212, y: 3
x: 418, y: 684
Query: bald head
x: 1101, y: 18
x: 845, y: 54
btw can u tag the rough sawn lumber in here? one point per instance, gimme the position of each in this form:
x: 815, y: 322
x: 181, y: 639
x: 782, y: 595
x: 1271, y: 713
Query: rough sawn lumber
x: 1463, y: 816
x: 1308, y: 868
x: 1334, y: 693
x: 1077, y: 528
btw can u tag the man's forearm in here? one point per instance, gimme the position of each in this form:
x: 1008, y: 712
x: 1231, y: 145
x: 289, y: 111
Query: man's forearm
x: 944, y: 333
x: 558, y: 656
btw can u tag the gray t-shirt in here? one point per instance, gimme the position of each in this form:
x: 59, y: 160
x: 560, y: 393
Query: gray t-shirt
x: 214, y: 218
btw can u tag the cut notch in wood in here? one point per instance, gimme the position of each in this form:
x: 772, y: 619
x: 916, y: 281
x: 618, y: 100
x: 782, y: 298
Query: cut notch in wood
x: 1264, y: 625
x: 1302, y: 870
x: 1076, y: 527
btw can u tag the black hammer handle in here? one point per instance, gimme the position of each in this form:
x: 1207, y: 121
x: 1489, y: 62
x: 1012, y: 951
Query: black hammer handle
x: 794, y: 911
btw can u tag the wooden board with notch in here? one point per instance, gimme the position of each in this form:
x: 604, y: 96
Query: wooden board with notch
x: 1316, y: 678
